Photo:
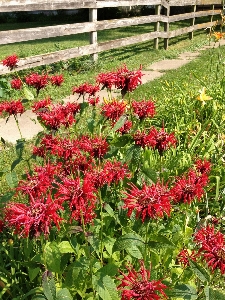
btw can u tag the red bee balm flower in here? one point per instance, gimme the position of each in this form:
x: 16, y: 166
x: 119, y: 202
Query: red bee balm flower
x: 81, y: 197
x: 148, y: 202
x: 160, y: 140
x: 34, y: 219
x: 16, y: 84
x: 144, y: 109
x: 10, y: 61
x: 137, y: 285
x: 212, y: 247
x: 86, y: 88
x: 57, y: 80
x: 127, y: 80
x: 12, y: 108
x: 113, y: 110
x: 185, y: 256
x: 189, y: 187
x: 37, y: 81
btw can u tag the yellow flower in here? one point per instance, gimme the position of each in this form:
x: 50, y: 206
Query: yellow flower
x: 203, y: 97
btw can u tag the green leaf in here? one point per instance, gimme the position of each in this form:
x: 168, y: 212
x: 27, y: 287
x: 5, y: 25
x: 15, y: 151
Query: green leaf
x: 28, y: 94
x: 12, y: 179
x: 52, y: 256
x: 49, y: 287
x: 213, y: 294
x: 15, y: 163
x: 183, y: 291
x: 105, y: 287
x: 90, y: 123
x: 199, y: 271
x: 159, y: 241
x: 150, y: 173
x: 119, y: 123
x: 65, y: 247
x: 20, y: 147
x: 64, y: 294
x: 33, y: 273
x: 130, y: 242
x: 8, y: 196
x: 121, y: 141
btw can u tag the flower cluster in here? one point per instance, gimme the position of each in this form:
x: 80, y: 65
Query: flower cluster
x: 35, y: 218
x: 57, y: 115
x: 123, y: 79
x: 212, y: 247
x: 143, y: 109
x: 191, y: 186
x: 86, y: 88
x: 11, y: 61
x: 148, y: 202
x: 158, y: 140
x: 185, y: 256
x: 137, y: 285
x: 12, y: 107
x: 37, y: 81
x: 16, y: 83
x: 113, y: 110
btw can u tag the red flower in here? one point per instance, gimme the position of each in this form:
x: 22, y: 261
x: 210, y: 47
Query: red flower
x: 113, y: 172
x: 10, y: 61
x: 127, y: 80
x: 137, y: 285
x: 160, y: 140
x: 126, y: 127
x: 107, y: 79
x: 93, y: 100
x: 144, y: 109
x: 58, y: 115
x: 203, y: 166
x: 41, y: 182
x: 34, y: 219
x: 212, y: 247
x: 16, y: 84
x: 113, y: 110
x: 42, y: 105
x: 57, y: 80
x: 140, y: 138
x: 37, y: 81
x: 189, y: 187
x: 80, y: 197
x: 96, y: 147
x: 148, y: 202
x: 86, y: 88
x: 185, y: 256
x: 12, y: 108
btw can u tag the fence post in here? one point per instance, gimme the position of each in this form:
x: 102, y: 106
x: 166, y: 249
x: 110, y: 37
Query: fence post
x: 167, y: 27
x: 157, y: 25
x: 192, y: 22
x: 93, y: 34
x: 211, y: 19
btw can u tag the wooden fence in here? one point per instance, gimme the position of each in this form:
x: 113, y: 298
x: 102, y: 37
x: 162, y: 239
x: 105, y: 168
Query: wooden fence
x: 93, y: 26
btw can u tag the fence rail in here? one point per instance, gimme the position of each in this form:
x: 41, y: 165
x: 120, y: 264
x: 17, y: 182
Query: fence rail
x: 94, y: 26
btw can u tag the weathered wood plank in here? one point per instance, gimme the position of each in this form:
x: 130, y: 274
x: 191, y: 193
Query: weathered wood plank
x: 32, y: 5
x: 185, y: 30
x: 124, y: 22
x: 192, y: 2
x: 194, y: 15
x: 20, y: 35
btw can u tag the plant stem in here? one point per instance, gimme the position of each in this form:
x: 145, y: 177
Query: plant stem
x: 146, y: 241
x: 101, y: 231
x: 17, y: 123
